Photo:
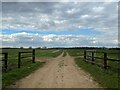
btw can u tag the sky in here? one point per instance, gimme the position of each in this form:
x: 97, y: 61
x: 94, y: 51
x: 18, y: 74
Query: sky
x: 59, y: 24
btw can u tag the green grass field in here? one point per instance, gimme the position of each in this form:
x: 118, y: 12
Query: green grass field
x: 106, y: 78
x: 13, y: 73
x: 48, y: 53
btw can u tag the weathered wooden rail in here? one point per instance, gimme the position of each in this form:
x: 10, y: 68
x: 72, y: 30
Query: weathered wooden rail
x: 4, y: 57
x: 22, y: 55
x: 91, y: 58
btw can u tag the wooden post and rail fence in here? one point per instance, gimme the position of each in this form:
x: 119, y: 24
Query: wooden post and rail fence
x: 4, y: 60
x: 21, y: 55
x: 87, y: 58
x: 91, y: 58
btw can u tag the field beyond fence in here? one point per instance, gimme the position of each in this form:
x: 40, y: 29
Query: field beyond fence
x: 90, y: 56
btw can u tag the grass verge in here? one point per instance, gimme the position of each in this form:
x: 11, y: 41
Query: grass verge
x: 12, y: 76
x: 106, y: 78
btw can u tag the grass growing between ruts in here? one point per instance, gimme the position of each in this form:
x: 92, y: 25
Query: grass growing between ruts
x: 12, y: 76
x: 64, y: 54
x: 106, y: 78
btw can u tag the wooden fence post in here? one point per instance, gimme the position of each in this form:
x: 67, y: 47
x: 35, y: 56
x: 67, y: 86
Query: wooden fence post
x: 19, y: 61
x: 105, y: 60
x: 33, y: 57
x: 85, y: 55
x: 92, y: 57
x: 6, y: 59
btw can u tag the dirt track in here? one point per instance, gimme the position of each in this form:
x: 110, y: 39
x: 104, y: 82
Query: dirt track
x: 60, y: 72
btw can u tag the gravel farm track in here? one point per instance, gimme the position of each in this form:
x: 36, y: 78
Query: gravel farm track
x: 59, y: 72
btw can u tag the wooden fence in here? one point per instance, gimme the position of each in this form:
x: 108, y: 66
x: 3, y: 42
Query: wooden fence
x: 4, y: 58
x: 91, y: 58
x: 22, y: 55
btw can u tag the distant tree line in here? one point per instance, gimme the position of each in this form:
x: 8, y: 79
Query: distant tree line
x: 104, y: 48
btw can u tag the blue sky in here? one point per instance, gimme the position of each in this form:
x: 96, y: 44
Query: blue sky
x: 76, y: 32
x: 62, y: 24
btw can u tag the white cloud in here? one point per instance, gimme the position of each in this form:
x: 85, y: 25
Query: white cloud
x: 72, y: 11
x: 64, y: 16
x: 51, y: 40
x: 98, y: 9
x: 85, y: 16
x: 54, y: 14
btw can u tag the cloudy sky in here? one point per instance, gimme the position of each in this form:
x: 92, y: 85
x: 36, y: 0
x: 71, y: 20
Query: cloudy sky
x: 59, y: 24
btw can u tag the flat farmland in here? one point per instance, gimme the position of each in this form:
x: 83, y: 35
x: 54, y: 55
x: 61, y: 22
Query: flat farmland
x: 47, y: 53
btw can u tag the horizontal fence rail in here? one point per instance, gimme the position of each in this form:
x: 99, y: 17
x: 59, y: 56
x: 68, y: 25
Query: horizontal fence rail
x: 90, y: 56
x: 22, y: 55
x: 4, y: 59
